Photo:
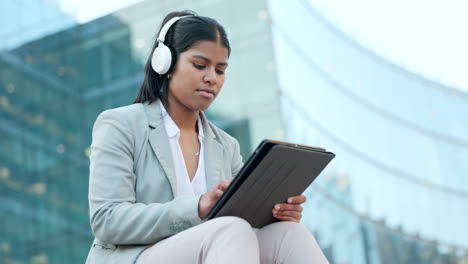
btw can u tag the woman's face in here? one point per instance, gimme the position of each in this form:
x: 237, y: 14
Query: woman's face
x: 198, y: 76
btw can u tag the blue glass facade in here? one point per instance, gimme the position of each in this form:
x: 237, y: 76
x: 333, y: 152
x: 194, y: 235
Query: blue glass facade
x: 53, y: 88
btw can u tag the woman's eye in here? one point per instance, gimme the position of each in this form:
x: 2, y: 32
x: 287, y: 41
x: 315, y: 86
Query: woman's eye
x: 219, y: 72
x: 198, y: 66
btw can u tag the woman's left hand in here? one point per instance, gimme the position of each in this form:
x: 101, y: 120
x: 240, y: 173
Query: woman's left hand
x: 290, y: 211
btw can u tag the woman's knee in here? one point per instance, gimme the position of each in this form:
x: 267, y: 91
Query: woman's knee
x: 292, y: 227
x: 287, y: 237
x: 287, y: 229
x: 233, y: 231
x: 233, y: 223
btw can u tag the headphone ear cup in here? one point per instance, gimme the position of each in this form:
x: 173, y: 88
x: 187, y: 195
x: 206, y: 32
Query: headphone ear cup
x: 161, y: 60
x: 173, y: 59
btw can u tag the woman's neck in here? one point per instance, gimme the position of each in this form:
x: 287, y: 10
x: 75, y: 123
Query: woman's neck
x: 185, y: 119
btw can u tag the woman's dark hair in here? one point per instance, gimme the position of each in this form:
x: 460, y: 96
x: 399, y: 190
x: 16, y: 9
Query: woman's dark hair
x: 181, y: 36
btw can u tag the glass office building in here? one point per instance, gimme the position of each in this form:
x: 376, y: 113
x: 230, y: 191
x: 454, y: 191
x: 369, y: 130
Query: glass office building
x: 365, y: 208
x: 401, y: 143
x: 53, y: 88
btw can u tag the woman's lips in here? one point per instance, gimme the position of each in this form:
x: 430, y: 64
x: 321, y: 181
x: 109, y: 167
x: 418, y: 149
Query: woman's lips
x: 207, y: 93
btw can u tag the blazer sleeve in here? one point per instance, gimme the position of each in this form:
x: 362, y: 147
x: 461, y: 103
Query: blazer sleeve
x: 115, y: 216
x: 236, y: 163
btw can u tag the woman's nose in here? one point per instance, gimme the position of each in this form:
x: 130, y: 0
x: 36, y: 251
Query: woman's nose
x: 210, y: 76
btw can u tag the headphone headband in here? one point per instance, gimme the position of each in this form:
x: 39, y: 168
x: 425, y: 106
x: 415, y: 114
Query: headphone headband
x: 165, y: 28
x: 162, y: 57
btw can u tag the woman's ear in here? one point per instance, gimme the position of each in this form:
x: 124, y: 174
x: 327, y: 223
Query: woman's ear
x: 170, y: 72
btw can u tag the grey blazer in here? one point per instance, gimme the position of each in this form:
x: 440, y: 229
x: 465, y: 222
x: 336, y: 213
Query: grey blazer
x: 132, y: 181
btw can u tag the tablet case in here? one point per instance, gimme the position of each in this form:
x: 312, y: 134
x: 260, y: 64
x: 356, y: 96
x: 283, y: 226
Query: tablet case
x: 275, y: 172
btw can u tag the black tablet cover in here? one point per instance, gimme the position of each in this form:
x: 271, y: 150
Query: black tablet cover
x: 272, y: 174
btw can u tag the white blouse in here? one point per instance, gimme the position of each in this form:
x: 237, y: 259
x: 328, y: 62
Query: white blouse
x: 184, y: 185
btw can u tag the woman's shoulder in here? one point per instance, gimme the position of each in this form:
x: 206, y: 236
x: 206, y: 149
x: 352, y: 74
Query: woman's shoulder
x: 131, y: 115
x: 127, y: 111
x: 221, y: 135
x: 230, y: 144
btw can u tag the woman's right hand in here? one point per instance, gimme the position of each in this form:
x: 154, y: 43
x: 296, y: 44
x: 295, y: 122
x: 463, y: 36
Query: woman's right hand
x: 208, y: 199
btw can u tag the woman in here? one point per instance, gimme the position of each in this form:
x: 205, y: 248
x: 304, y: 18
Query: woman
x: 158, y: 166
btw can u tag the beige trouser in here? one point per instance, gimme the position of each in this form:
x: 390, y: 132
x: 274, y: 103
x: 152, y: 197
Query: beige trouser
x: 232, y: 240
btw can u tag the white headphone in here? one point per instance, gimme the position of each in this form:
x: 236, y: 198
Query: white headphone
x: 162, y: 56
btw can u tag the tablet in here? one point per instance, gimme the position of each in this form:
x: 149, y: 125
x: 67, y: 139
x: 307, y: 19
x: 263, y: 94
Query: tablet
x: 273, y: 173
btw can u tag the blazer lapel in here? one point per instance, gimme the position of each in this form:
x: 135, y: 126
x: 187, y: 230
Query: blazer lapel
x: 160, y: 142
x: 213, y: 155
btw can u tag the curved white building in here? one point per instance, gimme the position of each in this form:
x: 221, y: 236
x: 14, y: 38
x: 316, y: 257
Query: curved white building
x: 401, y: 140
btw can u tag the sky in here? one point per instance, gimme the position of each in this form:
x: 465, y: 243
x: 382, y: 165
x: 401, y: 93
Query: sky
x: 86, y: 10
x: 428, y: 37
